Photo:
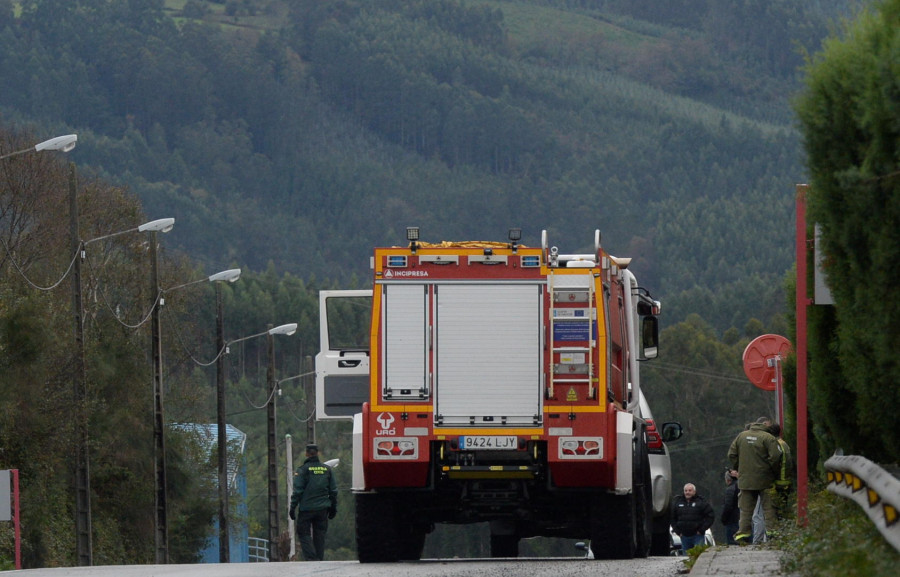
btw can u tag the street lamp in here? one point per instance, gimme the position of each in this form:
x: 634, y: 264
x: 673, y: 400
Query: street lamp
x: 162, y: 522
x: 230, y: 275
x: 288, y: 329
x: 82, y: 475
x: 310, y: 436
x: 273, y: 455
x: 159, y: 225
x: 82, y: 458
x: 60, y: 143
x: 224, y: 540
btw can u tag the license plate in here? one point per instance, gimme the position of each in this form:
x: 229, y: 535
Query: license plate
x: 488, y: 443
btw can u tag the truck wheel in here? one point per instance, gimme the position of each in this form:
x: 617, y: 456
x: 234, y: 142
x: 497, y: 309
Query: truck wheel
x: 410, y: 541
x: 643, y: 503
x: 504, y: 545
x: 376, y: 539
x: 661, y: 543
x: 613, y: 526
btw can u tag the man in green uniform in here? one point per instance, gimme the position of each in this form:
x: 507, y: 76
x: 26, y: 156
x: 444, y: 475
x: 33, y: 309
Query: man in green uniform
x: 756, y: 455
x: 315, y: 501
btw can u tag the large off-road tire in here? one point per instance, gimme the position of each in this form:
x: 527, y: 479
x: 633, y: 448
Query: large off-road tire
x: 376, y: 524
x: 621, y: 524
x: 643, y: 502
x: 661, y: 543
x: 613, y: 526
x: 504, y: 545
x: 410, y: 540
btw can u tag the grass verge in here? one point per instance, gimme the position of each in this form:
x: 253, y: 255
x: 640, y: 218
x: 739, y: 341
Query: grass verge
x: 839, y: 540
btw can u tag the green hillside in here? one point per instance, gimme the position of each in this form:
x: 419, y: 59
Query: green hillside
x: 304, y: 133
x: 289, y: 138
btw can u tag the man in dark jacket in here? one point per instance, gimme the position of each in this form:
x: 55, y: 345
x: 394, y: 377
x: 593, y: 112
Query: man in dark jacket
x: 315, y: 499
x: 731, y: 512
x: 756, y: 455
x: 692, y: 515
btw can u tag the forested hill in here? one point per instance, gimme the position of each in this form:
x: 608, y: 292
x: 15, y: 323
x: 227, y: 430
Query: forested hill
x: 303, y: 133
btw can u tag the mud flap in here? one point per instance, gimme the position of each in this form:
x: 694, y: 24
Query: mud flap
x: 358, y: 482
x: 624, y: 448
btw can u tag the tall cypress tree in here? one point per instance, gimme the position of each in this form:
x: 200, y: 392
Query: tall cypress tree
x: 850, y: 119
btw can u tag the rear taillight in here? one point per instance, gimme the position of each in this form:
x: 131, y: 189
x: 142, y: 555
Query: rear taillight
x: 581, y: 448
x: 399, y: 448
x: 654, y: 441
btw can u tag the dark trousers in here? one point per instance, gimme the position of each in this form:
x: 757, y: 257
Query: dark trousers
x: 311, y: 529
x: 730, y: 530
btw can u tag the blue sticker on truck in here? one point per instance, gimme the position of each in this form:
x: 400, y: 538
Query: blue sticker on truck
x: 572, y: 331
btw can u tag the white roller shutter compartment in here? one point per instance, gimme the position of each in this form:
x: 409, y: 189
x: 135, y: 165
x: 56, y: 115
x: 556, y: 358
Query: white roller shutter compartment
x: 488, y: 355
x: 405, y: 341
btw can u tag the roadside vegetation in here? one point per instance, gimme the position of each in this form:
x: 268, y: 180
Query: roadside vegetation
x: 839, y: 540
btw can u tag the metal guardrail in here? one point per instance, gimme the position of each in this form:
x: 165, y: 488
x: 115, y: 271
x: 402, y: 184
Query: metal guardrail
x: 873, y: 489
x: 259, y: 550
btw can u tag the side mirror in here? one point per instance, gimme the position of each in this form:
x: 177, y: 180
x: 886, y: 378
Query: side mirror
x: 649, y: 338
x: 671, y: 432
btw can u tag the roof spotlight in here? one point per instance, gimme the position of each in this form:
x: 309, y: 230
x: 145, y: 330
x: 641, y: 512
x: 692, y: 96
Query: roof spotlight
x: 515, y: 234
x: 412, y: 235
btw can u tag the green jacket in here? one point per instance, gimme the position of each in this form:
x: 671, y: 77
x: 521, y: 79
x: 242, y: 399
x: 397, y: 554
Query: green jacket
x: 314, y: 487
x: 756, y: 455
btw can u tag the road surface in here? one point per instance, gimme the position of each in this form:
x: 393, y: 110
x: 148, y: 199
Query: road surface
x: 558, y: 567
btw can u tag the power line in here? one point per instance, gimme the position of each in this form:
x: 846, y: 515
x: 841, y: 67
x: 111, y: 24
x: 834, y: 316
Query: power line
x: 181, y: 341
x: 95, y: 277
x: 21, y: 272
x: 708, y: 443
x: 693, y: 371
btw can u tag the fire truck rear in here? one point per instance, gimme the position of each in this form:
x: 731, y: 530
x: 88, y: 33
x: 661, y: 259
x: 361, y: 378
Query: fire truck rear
x: 499, y: 384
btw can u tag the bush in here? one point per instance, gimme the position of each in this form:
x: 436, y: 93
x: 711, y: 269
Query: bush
x: 839, y: 540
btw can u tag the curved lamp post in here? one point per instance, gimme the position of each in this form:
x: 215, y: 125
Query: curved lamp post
x: 224, y: 539
x: 310, y: 438
x: 60, y: 143
x: 162, y: 521
x: 272, y: 445
x: 83, y: 529
x: 159, y: 225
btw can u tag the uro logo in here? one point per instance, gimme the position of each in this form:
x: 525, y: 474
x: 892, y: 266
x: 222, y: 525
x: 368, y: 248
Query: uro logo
x: 385, y: 420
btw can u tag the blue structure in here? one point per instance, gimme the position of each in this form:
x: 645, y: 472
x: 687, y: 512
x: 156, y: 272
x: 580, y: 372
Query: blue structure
x: 239, y: 547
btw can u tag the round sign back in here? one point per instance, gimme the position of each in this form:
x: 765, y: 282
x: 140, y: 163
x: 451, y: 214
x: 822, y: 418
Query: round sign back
x: 756, y: 359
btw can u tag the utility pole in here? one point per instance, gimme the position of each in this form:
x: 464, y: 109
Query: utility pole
x: 289, y: 461
x: 82, y: 454
x: 224, y: 538
x: 802, y: 302
x: 159, y: 422
x: 273, y: 457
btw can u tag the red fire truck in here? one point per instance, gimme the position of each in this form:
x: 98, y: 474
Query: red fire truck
x: 496, y: 383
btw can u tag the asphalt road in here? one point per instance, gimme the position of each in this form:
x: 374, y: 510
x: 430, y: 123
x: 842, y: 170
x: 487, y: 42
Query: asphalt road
x: 567, y: 567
